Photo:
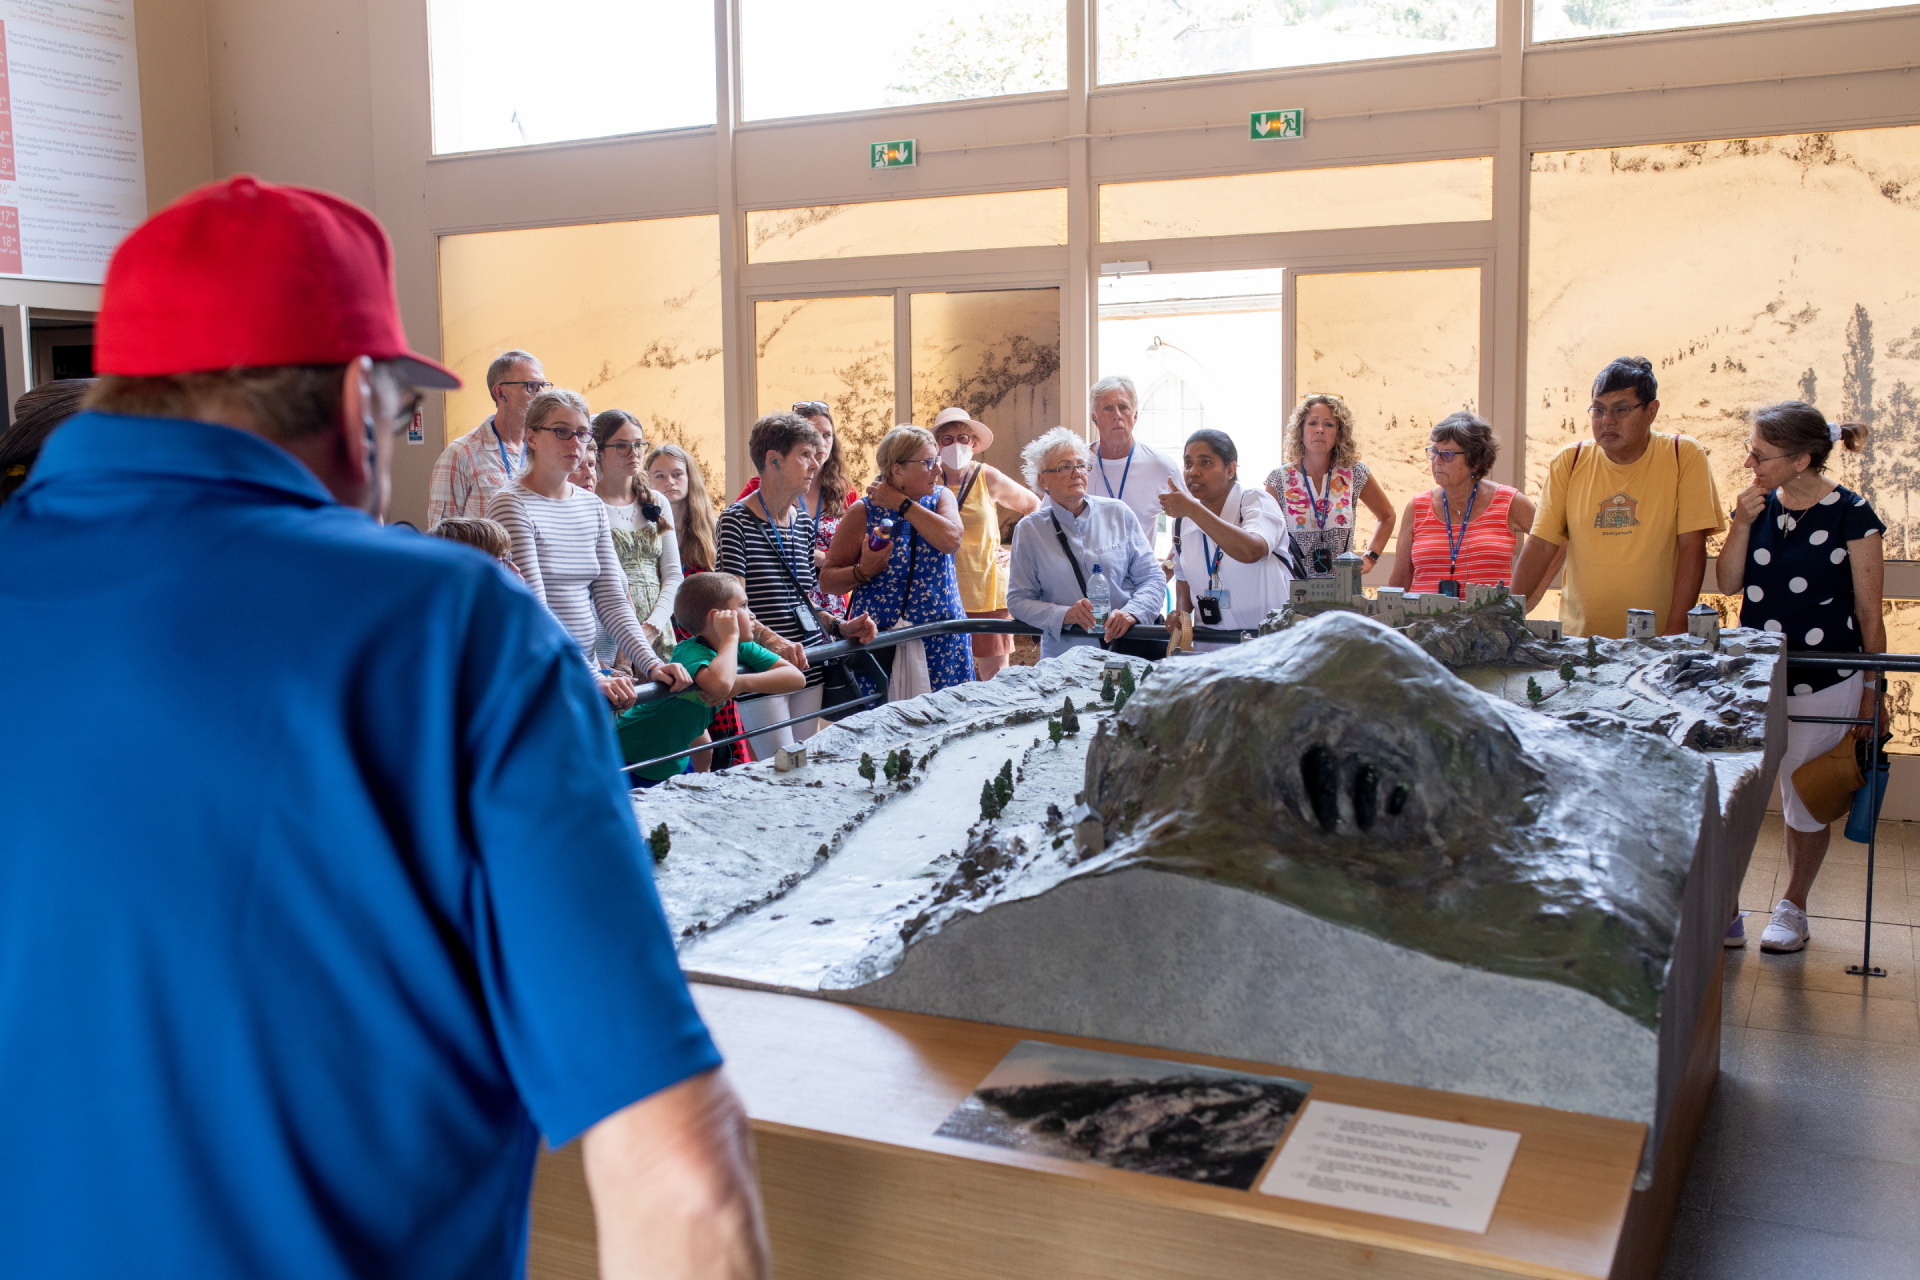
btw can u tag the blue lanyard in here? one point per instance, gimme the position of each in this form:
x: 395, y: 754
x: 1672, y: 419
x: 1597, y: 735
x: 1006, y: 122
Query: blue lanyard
x: 501, y: 445
x: 778, y: 540
x: 1212, y: 560
x: 1446, y: 507
x: 1321, y: 506
x: 1123, y: 474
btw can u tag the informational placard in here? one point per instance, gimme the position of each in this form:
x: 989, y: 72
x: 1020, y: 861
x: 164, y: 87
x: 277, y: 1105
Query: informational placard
x: 72, y: 172
x: 1432, y: 1171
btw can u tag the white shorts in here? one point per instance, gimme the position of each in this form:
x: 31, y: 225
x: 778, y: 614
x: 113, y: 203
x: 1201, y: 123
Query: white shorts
x: 1805, y: 741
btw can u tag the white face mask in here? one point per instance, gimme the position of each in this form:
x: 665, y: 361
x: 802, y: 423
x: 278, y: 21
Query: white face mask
x: 956, y: 456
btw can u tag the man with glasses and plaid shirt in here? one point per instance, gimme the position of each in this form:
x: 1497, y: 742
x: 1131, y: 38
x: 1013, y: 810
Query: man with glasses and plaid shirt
x: 473, y: 467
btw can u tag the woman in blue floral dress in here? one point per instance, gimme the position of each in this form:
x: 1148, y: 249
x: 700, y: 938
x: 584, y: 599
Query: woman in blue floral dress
x: 910, y: 578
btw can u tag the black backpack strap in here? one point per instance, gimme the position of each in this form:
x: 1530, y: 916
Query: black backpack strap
x: 1072, y: 560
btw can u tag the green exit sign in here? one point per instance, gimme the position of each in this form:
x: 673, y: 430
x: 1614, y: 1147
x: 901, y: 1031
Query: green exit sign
x: 892, y: 155
x: 1267, y: 125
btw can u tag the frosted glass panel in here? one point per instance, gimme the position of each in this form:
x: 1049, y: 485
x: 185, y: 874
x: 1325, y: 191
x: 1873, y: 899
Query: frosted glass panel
x: 626, y: 313
x: 1375, y: 195
x: 839, y: 350
x: 1402, y: 348
x: 510, y: 75
x: 1162, y: 39
x: 938, y: 224
x: 851, y: 55
x: 997, y: 355
x: 1748, y: 271
x: 1565, y: 19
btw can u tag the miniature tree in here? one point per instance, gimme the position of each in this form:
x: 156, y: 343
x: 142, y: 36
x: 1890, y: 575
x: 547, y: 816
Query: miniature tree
x: 1593, y: 652
x: 892, y: 766
x: 1127, y: 684
x: 989, y: 801
x: 1003, y: 785
x: 1106, y: 686
x: 866, y: 768
x: 1120, y: 700
x: 1055, y: 732
x: 1069, y: 718
x: 1534, y: 692
x: 1566, y: 671
x: 660, y: 839
x: 906, y: 761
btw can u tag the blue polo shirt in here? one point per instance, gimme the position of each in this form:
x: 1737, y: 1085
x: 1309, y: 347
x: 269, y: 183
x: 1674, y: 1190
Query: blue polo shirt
x: 320, y: 895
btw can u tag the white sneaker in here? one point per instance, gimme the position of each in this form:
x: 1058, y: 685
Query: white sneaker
x: 1787, y: 931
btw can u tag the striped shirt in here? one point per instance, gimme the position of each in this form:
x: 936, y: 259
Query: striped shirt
x: 563, y: 547
x: 1486, y: 551
x: 471, y: 470
x: 751, y: 550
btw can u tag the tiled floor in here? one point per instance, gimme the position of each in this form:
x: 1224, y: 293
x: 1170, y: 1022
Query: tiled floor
x: 1810, y: 1163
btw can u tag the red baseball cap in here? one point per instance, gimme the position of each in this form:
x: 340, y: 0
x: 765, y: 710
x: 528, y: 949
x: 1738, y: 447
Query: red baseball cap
x: 245, y: 274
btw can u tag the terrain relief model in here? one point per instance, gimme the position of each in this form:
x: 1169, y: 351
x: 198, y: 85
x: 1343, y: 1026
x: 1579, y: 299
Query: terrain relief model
x: 1456, y: 854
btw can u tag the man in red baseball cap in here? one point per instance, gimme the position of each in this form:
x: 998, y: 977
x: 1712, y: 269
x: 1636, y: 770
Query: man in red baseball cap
x: 324, y: 903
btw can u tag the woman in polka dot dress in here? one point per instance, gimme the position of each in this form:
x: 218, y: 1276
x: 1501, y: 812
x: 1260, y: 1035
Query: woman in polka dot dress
x: 1804, y: 554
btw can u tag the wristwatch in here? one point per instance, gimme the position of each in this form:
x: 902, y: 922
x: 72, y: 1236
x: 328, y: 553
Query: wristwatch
x: 1372, y: 556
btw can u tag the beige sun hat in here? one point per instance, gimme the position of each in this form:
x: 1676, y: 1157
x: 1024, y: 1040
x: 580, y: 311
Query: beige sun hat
x: 981, y: 431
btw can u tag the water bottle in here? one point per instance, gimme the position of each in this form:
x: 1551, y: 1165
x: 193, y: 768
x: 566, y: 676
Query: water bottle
x: 879, y: 529
x: 1099, y: 597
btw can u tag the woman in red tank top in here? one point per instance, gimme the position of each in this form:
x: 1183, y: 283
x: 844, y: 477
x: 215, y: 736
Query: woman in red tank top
x: 1466, y: 528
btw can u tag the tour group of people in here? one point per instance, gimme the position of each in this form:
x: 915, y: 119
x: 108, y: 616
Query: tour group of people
x: 1110, y: 533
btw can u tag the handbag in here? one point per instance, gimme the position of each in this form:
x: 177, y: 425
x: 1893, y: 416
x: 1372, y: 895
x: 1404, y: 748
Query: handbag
x: 1826, y: 784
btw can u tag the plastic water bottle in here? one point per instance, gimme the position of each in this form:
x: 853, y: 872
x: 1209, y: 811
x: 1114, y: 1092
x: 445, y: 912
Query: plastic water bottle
x: 879, y: 529
x: 1099, y: 597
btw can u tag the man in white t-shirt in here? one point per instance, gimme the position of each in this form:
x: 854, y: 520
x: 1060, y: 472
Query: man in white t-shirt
x: 1123, y: 468
x: 484, y: 460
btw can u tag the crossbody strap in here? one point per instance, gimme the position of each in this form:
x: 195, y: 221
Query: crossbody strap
x: 793, y: 579
x: 1072, y: 560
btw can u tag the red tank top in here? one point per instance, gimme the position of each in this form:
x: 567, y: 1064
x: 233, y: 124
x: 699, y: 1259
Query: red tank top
x: 1487, y: 555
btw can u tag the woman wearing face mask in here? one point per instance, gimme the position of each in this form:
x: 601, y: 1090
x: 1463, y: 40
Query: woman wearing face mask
x: 904, y: 574
x: 980, y: 490
x: 563, y: 544
x: 642, y: 534
x: 1323, y: 484
x: 826, y: 499
x: 1225, y: 572
x: 677, y: 478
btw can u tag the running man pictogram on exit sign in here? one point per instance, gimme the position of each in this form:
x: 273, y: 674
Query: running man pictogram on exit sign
x: 892, y: 155
x: 1267, y: 125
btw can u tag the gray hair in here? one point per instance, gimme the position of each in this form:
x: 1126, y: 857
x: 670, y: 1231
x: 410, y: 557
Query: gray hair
x: 503, y: 365
x: 1118, y: 382
x: 1035, y: 454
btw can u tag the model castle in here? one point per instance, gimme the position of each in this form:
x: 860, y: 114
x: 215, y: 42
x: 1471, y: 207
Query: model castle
x: 1396, y: 606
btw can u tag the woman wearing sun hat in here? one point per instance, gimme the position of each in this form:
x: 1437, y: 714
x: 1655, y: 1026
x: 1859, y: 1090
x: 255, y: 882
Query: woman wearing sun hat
x: 980, y: 488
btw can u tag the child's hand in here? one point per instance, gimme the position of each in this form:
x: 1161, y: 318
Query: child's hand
x: 618, y: 690
x: 723, y: 628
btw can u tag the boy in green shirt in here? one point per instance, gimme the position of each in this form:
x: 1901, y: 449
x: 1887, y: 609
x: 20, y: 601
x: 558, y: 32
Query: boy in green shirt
x: 713, y: 606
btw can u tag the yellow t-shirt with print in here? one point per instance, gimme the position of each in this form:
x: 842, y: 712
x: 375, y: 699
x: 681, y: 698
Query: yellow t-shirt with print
x: 1619, y: 525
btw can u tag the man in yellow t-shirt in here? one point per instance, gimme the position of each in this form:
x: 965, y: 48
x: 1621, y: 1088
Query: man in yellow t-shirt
x: 1632, y: 510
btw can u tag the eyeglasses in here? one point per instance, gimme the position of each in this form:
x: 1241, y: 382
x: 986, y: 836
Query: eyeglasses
x: 1766, y: 457
x: 813, y: 409
x: 567, y: 433
x: 1068, y: 469
x: 1619, y: 413
x: 1445, y: 455
x: 928, y: 463
x: 534, y: 386
x: 624, y: 446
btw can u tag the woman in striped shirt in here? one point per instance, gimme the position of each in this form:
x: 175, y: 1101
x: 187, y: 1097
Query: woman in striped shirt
x: 563, y: 544
x: 1465, y: 529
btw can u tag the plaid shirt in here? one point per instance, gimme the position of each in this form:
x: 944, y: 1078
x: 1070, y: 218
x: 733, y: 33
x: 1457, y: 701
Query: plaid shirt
x: 469, y: 471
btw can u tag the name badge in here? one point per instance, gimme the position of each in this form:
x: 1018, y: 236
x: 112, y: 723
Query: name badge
x: 1223, y: 598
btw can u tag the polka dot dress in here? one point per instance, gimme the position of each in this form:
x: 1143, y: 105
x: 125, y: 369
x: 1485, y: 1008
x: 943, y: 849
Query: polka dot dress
x: 1799, y: 581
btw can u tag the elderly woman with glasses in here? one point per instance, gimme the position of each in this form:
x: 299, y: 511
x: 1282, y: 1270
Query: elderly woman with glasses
x: 903, y: 573
x: 563, y: 545
x: 1324, y: 484
x: 1057, y: 549
x: 1466, y: 528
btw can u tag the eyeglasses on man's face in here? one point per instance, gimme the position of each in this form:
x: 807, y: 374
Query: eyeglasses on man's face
x: 534, y: 386
x: 1068, y: 469
x: 1614, y: 413
x: 567, y: 434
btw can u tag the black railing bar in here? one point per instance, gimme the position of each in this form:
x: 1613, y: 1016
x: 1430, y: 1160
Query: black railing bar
x: 732, y: 738
x: 1823, y: 661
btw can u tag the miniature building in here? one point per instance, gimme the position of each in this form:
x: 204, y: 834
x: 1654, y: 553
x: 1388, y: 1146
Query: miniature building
x: 1703, y: 624
x: 1639, y: 624
x: 787, y: 759
x: 1348, y: 569
x: 1545, y: 628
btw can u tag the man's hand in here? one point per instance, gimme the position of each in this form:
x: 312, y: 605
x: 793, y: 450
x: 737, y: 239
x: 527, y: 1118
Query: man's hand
x: 1079, y: 614
x: 1178, y: 505
x: 619, y: 690
x: 862, y: 629
x: 674, y: 1195
x: 672, y: 675
x: 1119, y: 622
x: 1751, y: 502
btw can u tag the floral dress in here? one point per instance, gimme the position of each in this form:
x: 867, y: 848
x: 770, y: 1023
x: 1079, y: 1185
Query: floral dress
x: 1328, y: 523
x: 639, y: 551
x: 919, y: 585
